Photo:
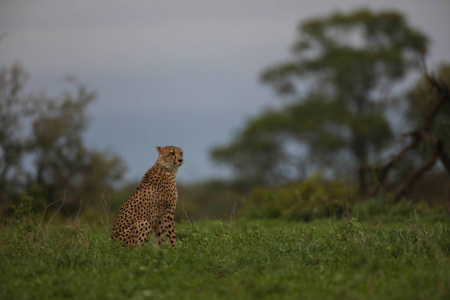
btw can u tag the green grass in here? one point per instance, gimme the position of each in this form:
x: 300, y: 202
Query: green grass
x: 323, y: 259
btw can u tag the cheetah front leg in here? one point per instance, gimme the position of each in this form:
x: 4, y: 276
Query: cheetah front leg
x: 168, y: 225
x: 159, y: 233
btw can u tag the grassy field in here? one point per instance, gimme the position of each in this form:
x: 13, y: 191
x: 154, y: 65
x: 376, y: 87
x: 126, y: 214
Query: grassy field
x: 245, y: 259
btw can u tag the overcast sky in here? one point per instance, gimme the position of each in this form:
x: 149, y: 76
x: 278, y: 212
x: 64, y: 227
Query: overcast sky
x: 182, y: 72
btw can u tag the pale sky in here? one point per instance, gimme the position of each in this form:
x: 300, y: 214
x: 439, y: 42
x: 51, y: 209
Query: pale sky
x: 182, y: 72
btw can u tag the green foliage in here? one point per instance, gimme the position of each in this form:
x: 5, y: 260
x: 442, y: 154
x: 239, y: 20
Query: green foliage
x: 24, y: 219
x: 212, y: 199
x: 385, y: 208
x: 352, y: 52
x: 306, y: 200
x: 24, y: 208
x: 337, y: 82
x: 48, y: 132
x: 315, y: 198
x: 13, y: 108
x: 246, y: 260
x: 256, y: 153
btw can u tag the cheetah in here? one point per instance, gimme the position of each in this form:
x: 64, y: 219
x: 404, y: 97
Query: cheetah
x: 151, y: 207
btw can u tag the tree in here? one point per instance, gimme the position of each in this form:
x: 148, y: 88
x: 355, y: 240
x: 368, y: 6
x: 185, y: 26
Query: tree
x: 256, y: 154
x: 338, y: 86
x: 48, y: 132
x: 57, y: 135
x: 13, y: 109
x: 429, y: 115
x: 429, y: 108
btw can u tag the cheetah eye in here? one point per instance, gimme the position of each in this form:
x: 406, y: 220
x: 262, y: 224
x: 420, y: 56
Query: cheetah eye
x: 172, y: 153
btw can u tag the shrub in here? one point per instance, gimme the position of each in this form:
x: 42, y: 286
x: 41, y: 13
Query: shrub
x: 385, y: 208
x: 306, y: 200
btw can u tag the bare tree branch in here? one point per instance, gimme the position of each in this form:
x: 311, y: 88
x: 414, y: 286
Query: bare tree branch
x: 422, y: 134
x: 418, y: 173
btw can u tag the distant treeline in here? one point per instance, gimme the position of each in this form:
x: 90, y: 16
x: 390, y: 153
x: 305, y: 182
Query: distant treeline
x: 362, y: 118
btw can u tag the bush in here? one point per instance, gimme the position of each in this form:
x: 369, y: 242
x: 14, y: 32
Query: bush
x: 385, y: 208
x: 306, y: 200
x: 315, y: 198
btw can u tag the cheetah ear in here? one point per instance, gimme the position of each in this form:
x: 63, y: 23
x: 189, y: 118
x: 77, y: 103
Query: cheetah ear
x: 158, y: 148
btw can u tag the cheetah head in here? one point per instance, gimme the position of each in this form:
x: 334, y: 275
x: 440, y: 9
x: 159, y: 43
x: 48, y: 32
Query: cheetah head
x: 170, y: 157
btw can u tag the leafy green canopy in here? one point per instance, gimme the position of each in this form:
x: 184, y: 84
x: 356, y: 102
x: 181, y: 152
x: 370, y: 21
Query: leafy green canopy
x: 42, y: 147
x: 337, y: 83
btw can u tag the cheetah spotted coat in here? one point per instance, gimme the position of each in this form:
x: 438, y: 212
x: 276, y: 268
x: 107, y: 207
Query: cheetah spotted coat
x: 152, y: 206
